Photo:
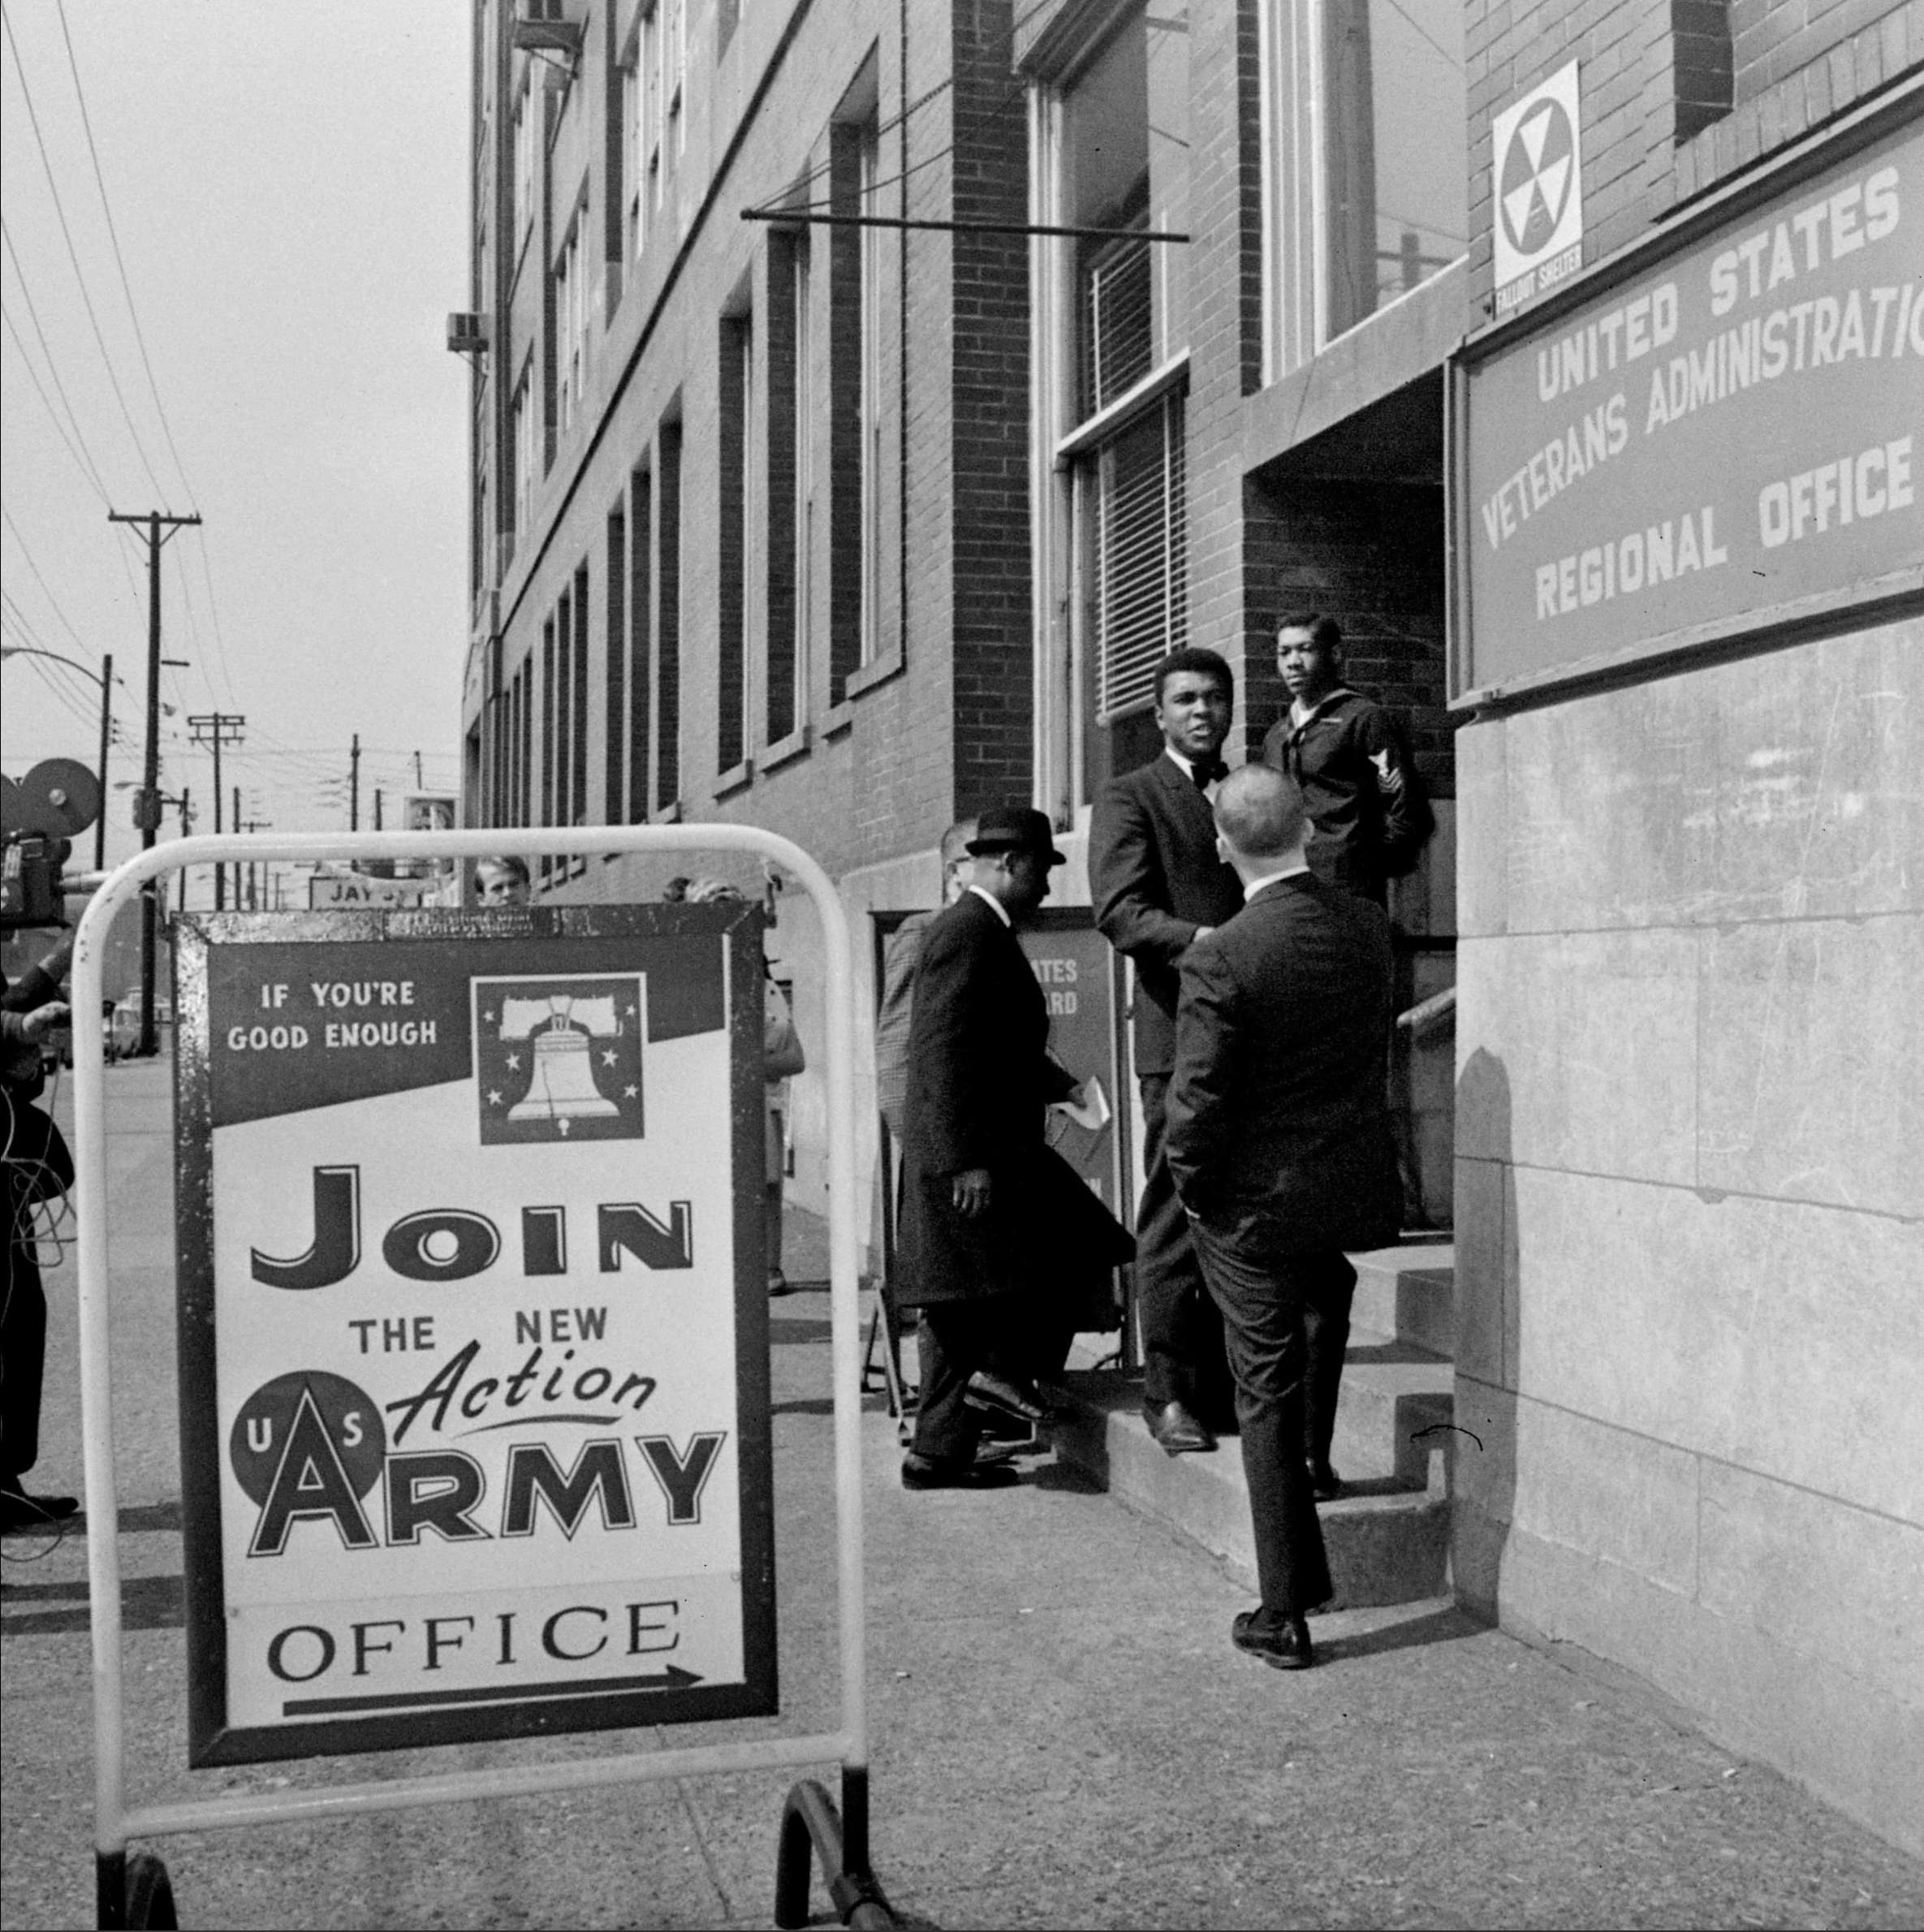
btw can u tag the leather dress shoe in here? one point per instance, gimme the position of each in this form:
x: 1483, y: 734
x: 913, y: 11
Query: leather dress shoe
x: 1325, y: 1484
x: 1022, y: 1400
x: 1287, y: 1649
x: 19, y: 1511
x: 1176, y: 1431
x: 923, y: 1473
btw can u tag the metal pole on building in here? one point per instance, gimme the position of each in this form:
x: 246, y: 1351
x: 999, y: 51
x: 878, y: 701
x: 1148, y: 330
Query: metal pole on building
x: 147, y: 810
x: 354, y: 785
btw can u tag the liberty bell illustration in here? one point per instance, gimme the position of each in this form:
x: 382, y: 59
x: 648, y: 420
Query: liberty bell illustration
x: 562, y: 1087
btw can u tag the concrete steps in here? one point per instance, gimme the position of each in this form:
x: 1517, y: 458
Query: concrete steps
x: 1388, y: 1537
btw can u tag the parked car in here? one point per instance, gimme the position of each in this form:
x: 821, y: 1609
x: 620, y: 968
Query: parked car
x: 124, y: 1029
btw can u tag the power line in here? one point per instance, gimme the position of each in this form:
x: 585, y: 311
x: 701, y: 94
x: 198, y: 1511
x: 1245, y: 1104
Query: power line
x: 47, y: 351
x: 120, y: 262
x: 73, y: 254
x: 45, y: 588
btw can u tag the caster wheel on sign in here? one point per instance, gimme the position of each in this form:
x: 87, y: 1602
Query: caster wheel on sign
x: 149, y: 1894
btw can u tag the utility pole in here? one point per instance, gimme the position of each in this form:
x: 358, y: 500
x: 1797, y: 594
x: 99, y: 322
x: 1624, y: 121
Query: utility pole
x: 106, y: 739
x: 214, y: 729
x: 354, y: 785
x: 419, y: 783
x: 253, y: 872
x: 147, y: 810
x: 377, y: 808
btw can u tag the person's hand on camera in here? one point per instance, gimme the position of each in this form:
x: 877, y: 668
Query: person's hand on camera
x: 42, y: 1020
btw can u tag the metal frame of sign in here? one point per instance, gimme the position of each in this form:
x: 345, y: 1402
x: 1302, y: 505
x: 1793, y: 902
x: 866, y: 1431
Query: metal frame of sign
x: 116, y: 1822
x: 442, y: 1716
x: 1894, y: 593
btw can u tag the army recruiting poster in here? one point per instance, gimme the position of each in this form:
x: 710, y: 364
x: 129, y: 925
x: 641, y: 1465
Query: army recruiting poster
x: 473, y: 1327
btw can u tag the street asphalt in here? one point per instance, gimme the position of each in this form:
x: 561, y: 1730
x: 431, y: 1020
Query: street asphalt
x: 1063, y: 1734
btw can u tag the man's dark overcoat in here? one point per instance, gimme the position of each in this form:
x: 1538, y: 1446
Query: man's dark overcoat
x: 1278, y: 1116
x: 1156, y: 878
x: 980, y: 1082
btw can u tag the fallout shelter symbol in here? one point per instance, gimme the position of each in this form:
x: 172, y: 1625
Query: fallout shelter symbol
x: 558, y: 1057
x: 1537, y: 167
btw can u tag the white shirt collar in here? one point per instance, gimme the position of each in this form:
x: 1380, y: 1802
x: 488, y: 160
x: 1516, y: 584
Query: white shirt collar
x: 1184, y: 765
x: 993, y: 903
x: 1272, y: 878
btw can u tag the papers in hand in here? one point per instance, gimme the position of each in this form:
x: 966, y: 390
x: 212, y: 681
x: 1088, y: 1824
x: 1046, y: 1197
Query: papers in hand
x: 1089, y: 1109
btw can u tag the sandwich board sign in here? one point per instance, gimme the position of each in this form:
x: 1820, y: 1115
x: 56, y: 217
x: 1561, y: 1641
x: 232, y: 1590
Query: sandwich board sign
x: 473, y: 1327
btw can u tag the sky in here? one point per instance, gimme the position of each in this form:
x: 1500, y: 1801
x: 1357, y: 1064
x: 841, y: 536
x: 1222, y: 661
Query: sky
x: 288, y: 188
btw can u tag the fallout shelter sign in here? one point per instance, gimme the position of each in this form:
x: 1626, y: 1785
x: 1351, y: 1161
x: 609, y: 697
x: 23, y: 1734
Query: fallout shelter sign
x: 1536, y: 149
x: 473, y: 1330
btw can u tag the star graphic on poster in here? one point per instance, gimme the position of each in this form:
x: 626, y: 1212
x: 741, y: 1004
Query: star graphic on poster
x: 514, y: 1063
x: 629, y: 1092
x: 629, y: 1009
x: 489, y: 1015
x: 494, y: 1097
x: 609, y: 1057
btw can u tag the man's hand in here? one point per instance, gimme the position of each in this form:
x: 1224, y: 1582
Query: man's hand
x: 37, y: 1025
x: 970, y: 1190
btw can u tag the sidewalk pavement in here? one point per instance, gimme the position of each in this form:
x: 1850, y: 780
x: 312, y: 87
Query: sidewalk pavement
x: 1062, y: 1733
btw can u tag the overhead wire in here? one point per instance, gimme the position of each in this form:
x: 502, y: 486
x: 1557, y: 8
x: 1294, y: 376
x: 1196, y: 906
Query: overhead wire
x: 92, y: 468
x: 46, y: 589
x: 73, y: 256
x: 81, y: 461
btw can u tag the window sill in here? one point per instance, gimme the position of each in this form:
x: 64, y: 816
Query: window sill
x: 866, y: 677
x: 667, y: 814
x: 785, y: 751
x: 840, y: 717
x: 735, y: 778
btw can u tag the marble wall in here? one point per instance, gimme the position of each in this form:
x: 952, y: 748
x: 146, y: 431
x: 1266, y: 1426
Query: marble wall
x: 1690, y: 1195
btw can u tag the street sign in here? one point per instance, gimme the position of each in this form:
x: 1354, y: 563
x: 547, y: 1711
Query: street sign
x: 473, y: 1327
x: 349, y: 892
x: 1726, y: 437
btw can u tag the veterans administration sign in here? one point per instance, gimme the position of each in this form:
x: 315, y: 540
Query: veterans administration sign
x: 1729, y: 437
x: 1536, y: 151
x: 474, y: 1350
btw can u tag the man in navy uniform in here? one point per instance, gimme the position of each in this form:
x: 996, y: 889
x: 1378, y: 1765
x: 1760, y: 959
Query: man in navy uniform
x: 995, y: 1223
x: 1280, y: 1146
x: 1157, y: 885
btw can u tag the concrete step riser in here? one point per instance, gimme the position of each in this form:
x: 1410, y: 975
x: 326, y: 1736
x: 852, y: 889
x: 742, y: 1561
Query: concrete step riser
x: 1382, y: 1433
x: 1412, y: 1307
x: 1383, y: 1549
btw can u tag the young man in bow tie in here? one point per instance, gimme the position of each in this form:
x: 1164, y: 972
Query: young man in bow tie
x: 1158, y: 886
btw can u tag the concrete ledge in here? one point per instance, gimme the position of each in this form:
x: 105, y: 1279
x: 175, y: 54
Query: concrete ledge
x: 1388, y: 1543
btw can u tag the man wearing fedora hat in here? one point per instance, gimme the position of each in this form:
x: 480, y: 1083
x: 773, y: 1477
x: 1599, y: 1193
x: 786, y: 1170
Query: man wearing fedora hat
x: 991, y: 1218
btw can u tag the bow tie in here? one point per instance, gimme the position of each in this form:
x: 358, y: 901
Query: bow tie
x: 1208, y: 772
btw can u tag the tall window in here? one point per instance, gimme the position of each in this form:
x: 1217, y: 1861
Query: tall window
x: 735, y: 475
x: 790, y: 483
x: 1365, y: 166
x: 667, y: 609
x: 522, y: 429
x: 641, y: 99
x: 570, y: 326
x: 868, y: 153
x: 615, y: 725
x: 1113, y: 152
x: 674, y: 73
x: 577, y: 813
x: 527, y: 114
x: 640, y: 601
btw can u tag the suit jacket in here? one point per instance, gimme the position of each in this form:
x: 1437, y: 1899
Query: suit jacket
x: 1279, y: 1123
x: 1155, y: 877
x: 980, y: 1082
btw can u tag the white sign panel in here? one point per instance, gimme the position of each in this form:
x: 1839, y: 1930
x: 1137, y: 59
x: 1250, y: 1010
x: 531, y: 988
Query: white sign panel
x: 1536, y: 149
x: 473, y: 1332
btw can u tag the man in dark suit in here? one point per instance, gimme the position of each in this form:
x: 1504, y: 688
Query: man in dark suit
x: 992, y: 1220
x: 1279, y: 1143
x: 1158, y: 884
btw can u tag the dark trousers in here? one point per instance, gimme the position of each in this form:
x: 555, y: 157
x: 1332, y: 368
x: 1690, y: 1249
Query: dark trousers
x: 22, y: 1364
x: 1182, y: 1334
x: 1328, y: 1284
x: 1263, y: 1303
x: 956, y: 1339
